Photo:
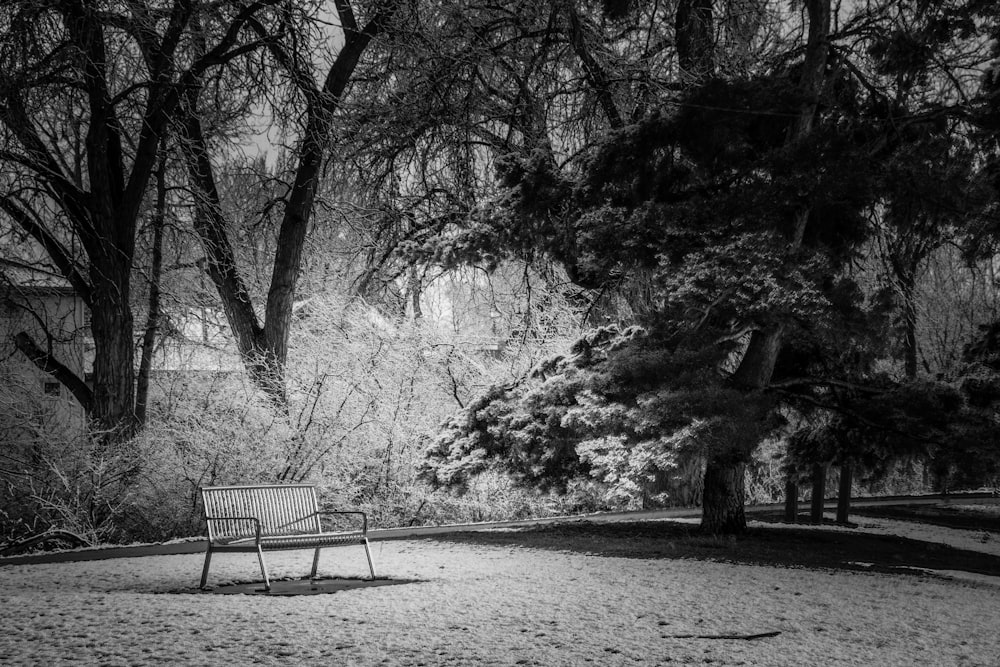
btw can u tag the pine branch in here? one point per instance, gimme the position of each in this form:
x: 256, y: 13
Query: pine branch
x: 828, y: 382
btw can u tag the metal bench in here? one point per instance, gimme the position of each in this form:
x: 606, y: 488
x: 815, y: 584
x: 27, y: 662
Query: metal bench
x: 272, y: 517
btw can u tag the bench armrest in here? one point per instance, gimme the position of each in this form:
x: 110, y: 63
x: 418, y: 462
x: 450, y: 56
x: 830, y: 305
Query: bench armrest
x: 255, y: 520
x: 364, y: 517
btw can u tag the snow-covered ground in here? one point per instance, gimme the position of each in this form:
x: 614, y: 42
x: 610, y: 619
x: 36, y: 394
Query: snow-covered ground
x: 485, y: 605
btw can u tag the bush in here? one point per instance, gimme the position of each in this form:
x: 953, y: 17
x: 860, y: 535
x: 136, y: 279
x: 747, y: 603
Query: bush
x: 364, y: 391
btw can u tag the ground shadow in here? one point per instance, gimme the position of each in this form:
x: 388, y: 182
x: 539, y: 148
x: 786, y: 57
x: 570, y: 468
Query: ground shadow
x: 949, y: 516
x: 290, y: 587
x: 785, y: 546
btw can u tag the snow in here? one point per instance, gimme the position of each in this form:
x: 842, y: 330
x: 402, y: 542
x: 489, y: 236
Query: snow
x: 500, y: 605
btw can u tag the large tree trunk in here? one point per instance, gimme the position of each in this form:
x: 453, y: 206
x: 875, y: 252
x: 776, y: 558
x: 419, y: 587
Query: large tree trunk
x: 113, y: 407
x: 695, y: 37
x: 722, y: 509
x: 724, y: 497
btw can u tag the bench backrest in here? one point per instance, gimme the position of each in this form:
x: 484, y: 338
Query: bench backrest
x: 279, y: 507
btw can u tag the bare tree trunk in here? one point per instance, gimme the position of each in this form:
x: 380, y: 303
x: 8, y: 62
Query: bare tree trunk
x: 211, y: 226
x: 907, y: 285
x: 757, y: 365
x: 818, y: 493
x: 264, y: 346
x: 844, y: 492
x: 153, y: 312
x: 415, y: 290
x: 791, y: 500
x: 88, y: 84
x: 114, y: 372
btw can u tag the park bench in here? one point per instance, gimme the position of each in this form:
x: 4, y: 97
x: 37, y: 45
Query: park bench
x: 272, y: 517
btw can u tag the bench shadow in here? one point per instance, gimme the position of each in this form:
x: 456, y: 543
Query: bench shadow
x: 293, y: 587
x: 783, y: 546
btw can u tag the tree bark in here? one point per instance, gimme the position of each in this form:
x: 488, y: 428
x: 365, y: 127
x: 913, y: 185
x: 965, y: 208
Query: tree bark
x: 112, y: 326
x: 791, y: 500
x: 722, y: 510
x: 211, y: 226
x: 907, y: 285
x: 757, y: 366
x: 724, y: 497
x: 844, y: 492
x: 818, y: 493
x: 153, y: 309
x: 695, y: 36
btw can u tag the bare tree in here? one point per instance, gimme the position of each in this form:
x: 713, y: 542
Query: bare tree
x: 263, y: 343
x: 88, y: 92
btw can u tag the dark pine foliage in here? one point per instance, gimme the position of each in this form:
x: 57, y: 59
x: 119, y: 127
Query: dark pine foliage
x: 705, y: 195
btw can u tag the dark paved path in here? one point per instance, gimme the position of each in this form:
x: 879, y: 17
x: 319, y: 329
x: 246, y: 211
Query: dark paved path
x: 198, y: 546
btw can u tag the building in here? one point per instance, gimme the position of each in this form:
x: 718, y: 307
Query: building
x: 45, y: 308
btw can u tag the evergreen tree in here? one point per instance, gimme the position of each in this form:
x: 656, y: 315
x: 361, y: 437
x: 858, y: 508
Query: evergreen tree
x: 745, y: 199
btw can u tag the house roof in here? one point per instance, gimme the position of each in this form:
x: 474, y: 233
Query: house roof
x: 21, y: 279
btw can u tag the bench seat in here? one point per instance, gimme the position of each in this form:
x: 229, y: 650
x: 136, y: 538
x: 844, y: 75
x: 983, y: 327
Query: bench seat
x: 303, y: 541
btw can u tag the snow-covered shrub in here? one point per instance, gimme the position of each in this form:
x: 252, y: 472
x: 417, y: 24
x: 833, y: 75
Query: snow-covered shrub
x: 204, y: 429
x: 634, y: 417
x: 76, y: 483
x: 364, y: 391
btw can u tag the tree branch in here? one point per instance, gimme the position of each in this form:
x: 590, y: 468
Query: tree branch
x: 827, y: 382
x: 596, y: 75
x: 347, y: 21
x: 55, y: 250
x: 301, y: 196
x: 46, y: 362
x: 211, y: 227
x: 75, y: 201
x: 864, y: 421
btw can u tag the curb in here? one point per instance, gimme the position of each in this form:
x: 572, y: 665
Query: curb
x: 380, y: 534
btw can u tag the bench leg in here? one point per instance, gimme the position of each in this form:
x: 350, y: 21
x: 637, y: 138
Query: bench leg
x: 368, y: 553
x: 312, y: 575
x: 263, y: 568
x: 204, y: 570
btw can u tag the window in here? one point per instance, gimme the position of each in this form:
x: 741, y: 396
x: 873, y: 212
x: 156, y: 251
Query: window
x: 52, y: 389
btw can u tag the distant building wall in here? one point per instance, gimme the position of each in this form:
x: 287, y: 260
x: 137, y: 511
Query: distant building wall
x: 30, y: 399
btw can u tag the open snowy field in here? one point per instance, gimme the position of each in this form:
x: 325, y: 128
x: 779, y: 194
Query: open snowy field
x: 476, y: 604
